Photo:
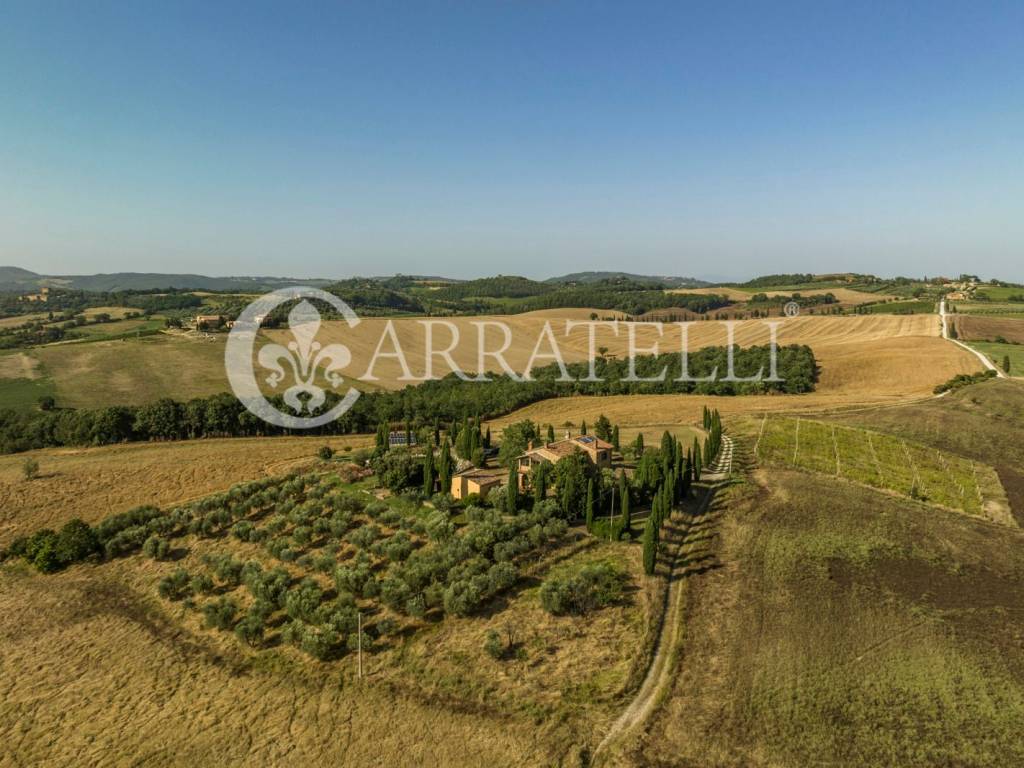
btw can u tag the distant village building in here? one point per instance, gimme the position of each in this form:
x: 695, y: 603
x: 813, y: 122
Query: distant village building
x: 595, y: 449
x: 478, y: 481
x: 209, y: 321
x: 43, y: 295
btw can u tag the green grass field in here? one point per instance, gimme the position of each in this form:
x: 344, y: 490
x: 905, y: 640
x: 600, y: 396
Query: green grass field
x: 999, y: 351
x: 997, y: 292
x: 880, y: 461
x: 1009, y: 310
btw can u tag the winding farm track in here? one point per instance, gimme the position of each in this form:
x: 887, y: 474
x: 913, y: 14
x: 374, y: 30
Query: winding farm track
x: 980, y: 355
x: 659, y: 673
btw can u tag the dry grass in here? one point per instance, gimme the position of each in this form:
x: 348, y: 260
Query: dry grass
x: 151, y: 687
x: 18, y: 365
x: 95, y: 671
x: 876, y: 346
x: 92, y: 483
x: 134, y: 371
x: 12, y: 322
x: 864, y: 357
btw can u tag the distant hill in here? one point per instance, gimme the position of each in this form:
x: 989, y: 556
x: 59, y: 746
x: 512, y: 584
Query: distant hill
x: 18, y: 279
x: 595, y: 277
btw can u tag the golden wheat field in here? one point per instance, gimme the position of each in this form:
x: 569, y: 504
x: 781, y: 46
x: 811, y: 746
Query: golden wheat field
x: 846, y: 296
x: 861, y: 353
x: 92, y: 483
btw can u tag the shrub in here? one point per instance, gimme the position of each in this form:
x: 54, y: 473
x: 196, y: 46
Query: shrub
x: 201, y: 584
x: 30, y: 469
x: 364, y: 536
x: 220, y: 613
x: 270, y: 587
x: 493, y: 645
x: 76, y: 541
x: 249, y: 629
x: 595, y: 585
x: 303, y: 601
x: 325, y: 453
x: 175, y: 586
x: 156, y: 548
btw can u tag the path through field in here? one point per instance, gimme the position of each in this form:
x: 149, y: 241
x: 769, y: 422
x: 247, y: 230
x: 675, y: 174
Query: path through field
x: 980, y: 355
x: 659, y: 673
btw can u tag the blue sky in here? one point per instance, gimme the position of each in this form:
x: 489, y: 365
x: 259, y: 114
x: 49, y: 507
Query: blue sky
x: 533, y: 138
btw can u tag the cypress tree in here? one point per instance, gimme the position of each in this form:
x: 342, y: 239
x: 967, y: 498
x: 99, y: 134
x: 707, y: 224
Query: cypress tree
x: 590, y: 504
x: 615, y: 438
x: 539, y: 476
x: 650, y: 546
x: 445, y: 467
x: 667, y: 444
x: 487, y: 437
x: 583, y: 427
x: 551, y: 433
x: 638, y: 444
x: 1006, y: 363
x: 512, y: 491
x: 428, y: 472
x: 627, y: 520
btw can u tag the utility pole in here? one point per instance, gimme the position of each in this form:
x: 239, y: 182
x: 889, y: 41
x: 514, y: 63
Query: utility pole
x: 359, y: 644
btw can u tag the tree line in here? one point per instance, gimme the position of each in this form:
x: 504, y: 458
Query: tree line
x: 445, y: 400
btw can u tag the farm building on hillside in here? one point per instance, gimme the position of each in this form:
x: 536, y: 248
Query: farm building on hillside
x: 595, y: 449
x: 209, y: 321
x: 43, y: 295
x: 479, y: 481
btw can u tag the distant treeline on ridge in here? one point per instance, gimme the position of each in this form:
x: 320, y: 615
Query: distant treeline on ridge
x: 434, y: 402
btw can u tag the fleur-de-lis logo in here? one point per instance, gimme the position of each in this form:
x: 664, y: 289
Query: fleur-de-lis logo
x: 305, y: 355
x: 297, y: 363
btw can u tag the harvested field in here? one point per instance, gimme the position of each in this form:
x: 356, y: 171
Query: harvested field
x: 981, y: 328
x: 92, y: 483
x: 859, y: 631
x: 864, y: 356
x: 865, y: 348
x: 134, y: 371
x: 147, y: 690
x: 846, y: 296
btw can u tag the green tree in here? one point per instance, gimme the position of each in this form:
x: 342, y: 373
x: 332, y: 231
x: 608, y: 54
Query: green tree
x: 512, y: 491
x: 603, y: 428
x: 583, y: 427
x: 515, y: 440
x: 539, y: 478
x: 444, y: 467
x: 571, y: 477
x: 626, y: 514
x: 30, y: 469
x: 428, y: 472
x: 650, y: 544
x: 1006, y: 363
x: 590, y: 504
x: 551, y: 433
x: 615, y: 438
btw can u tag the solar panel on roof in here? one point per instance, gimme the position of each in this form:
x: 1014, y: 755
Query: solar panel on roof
x: 586, y: 439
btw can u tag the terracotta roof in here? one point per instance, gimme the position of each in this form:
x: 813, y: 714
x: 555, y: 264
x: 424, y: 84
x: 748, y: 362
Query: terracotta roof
x: 562, y: 448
